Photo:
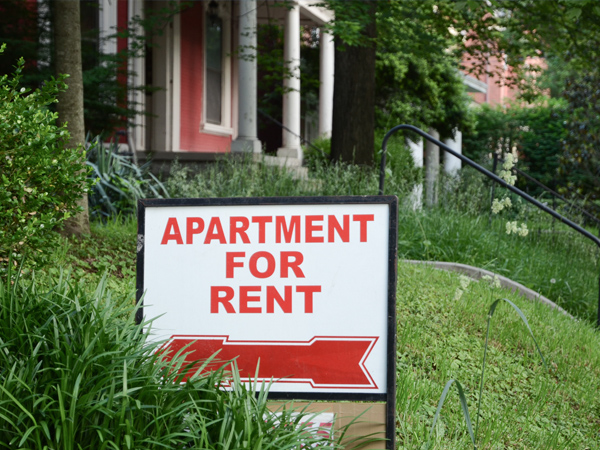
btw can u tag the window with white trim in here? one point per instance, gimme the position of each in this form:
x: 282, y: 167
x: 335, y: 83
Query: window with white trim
x: 217, y: 71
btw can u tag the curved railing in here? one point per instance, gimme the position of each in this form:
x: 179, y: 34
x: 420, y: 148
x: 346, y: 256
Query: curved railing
x: 490, y: 175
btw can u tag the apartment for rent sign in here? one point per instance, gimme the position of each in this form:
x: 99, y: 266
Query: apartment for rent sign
x: 298, y: 287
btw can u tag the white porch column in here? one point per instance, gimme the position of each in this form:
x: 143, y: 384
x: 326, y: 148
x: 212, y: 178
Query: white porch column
x: 137, y: 98
x: 326, y: 74
x: 432, y: 169
x: 108, y: 27
x: 291, y: 148
x: 247, y: 139
x: 451, y: 163
x: 416, y: 150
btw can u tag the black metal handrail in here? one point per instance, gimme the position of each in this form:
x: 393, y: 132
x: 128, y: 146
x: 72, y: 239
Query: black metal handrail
x: 545, y: 188
x: 490, y: 175
x: 555, y: 194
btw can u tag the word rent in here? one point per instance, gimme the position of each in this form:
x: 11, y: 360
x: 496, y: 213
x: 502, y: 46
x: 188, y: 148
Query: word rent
x: 269, y: 265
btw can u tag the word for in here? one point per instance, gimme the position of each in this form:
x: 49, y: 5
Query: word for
x: 287, y: 261
x: 255, y: 229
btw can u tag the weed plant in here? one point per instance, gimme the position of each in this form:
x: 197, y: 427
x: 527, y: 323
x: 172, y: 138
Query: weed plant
x: 76, y: 372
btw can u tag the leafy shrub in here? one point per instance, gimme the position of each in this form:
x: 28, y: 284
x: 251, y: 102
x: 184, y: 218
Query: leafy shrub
x: 40, y: 179
x: 536, y: 132
x: 76, y: 372
x: 119, y: 182
x: 580, y: 162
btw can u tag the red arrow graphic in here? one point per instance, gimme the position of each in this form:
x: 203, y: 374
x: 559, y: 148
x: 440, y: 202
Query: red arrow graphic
x: 335, y: 362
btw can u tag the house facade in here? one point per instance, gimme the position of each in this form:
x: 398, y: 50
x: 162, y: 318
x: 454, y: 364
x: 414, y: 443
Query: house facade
x: 201, y: 63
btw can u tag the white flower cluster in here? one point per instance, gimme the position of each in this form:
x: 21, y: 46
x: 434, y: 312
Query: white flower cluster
x: 513, y: 228
x: 509, y: 161
x: 494, y: 282
x: 505, y: 203
x: 464, y: 284
x: 506, y: 174
x: 499, y: 205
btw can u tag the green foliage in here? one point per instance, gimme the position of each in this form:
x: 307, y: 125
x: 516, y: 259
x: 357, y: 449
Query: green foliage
x: 317, y: 154
x: 569, y: 29
x: 243, y: 177
x: 79, y: 373
x: 535, y: 132
x: 417, y: 78
x: 118, y: 182
x: 580, y: 162
x: 400, y: 168
x: 552, y: 259
x: 400, y: 165
x: 351, y: 19
x: 109, y: 250
x: 40, y: 179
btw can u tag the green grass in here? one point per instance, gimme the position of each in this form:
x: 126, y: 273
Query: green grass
x: 76, y: 372
x: 241, y: 177
x: 562, y: 267
x: 441, y: 337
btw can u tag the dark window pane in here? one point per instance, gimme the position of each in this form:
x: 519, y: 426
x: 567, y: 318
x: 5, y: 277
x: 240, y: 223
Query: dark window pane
x: 214, y: 33
x: 214, y: 54
x: 213, y: 96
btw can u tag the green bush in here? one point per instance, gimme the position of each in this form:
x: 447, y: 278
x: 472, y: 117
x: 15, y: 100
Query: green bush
x: 536, y: 132
x: 40, y: 179
x: 76, y: 372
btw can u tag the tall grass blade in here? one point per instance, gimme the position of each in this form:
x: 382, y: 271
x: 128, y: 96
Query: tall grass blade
x: 487, y: 333
x: 464, y: 406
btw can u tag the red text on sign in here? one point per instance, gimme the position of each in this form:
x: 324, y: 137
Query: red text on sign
x: 263, y: 264
x: 256, y: 300
x: 285, y: 229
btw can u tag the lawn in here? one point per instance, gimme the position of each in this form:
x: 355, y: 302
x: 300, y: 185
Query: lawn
x: 441, y: 336
x: 525, y: 405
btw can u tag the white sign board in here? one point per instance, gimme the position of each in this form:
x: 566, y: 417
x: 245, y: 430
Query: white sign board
x: 300, y: 289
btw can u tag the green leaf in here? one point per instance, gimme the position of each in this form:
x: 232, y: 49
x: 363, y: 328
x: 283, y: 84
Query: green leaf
x: 573, y: 14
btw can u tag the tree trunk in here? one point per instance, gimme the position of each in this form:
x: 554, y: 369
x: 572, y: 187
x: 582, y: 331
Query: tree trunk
x: 353, y: 125
x: 67, y: 37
